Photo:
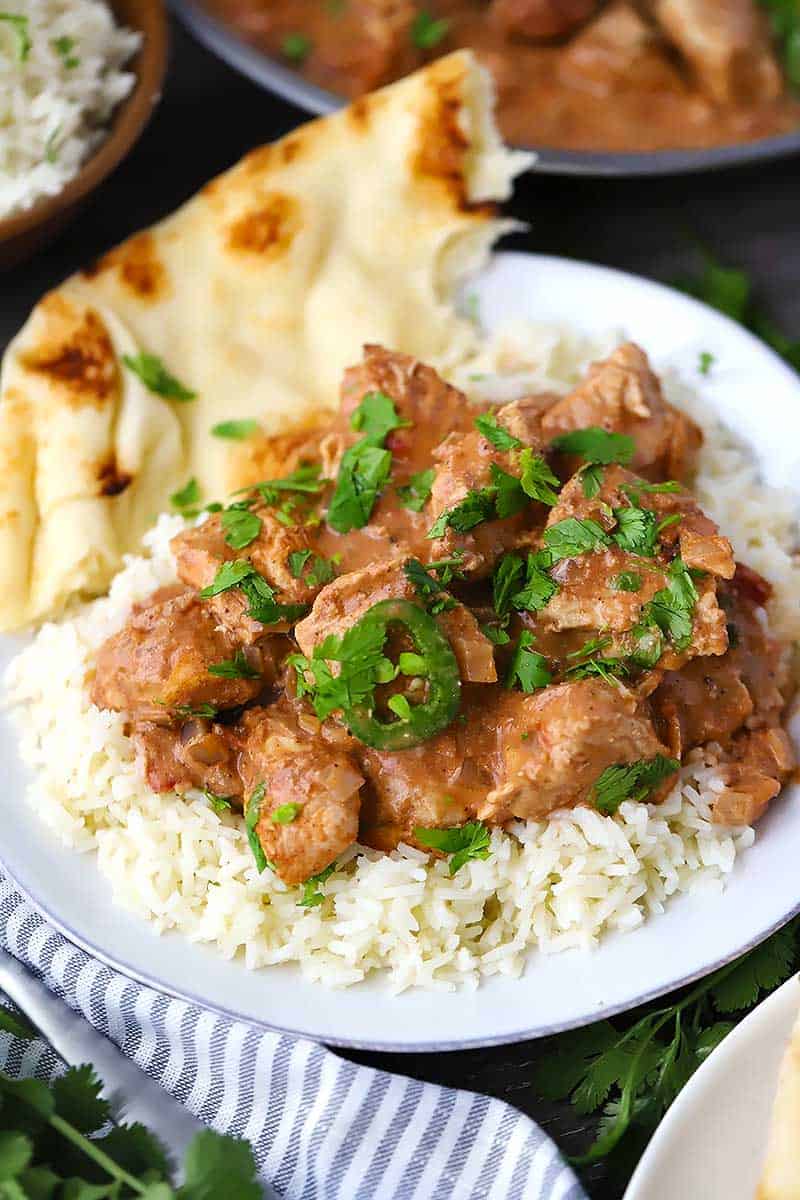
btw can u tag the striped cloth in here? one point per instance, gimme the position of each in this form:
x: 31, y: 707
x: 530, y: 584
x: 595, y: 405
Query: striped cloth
x: 321, y: 1128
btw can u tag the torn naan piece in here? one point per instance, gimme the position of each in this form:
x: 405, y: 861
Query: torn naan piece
x: 780, y: 1179
x: 255, y: 296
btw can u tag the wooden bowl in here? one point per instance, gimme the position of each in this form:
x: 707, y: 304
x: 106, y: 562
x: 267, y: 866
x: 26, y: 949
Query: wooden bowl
x: 25, y: 232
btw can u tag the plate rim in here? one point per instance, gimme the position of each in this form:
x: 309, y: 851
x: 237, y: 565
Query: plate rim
x: 86, y: 943
x: 274, y: 76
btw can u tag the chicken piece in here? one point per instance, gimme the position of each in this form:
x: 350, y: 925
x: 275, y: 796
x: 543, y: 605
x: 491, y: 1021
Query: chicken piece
x: 539, y: 20
x: 618, y: 52
x: 198, y: 754
x: 159, y: 662
x: 341, y: 603
x: 589, y: 596
x: 622, y: 395
x: 727, y: 43
x: 465, y: 462
x: 706, y: 701
x: 761, y: 658
x: 200, y: 551
x: 763, y: 761
x: 556, y: 743
x: 283, y: 749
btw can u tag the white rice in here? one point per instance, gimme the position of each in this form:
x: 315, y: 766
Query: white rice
x: 61, y: 78
x: 547, y: 886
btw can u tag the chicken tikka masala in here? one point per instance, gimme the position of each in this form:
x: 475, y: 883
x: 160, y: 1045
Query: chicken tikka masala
x: 433, y: 620
x: 621, y: 75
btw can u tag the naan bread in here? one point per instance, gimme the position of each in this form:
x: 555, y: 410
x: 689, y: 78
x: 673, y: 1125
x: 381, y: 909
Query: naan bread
x: 256, y: 295
x: 781, y: 1177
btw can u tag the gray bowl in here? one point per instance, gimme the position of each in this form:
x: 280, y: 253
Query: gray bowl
x: 276, y: 77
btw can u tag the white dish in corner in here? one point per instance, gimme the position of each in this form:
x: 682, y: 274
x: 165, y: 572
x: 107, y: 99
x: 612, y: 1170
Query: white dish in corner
x: 760, y: 399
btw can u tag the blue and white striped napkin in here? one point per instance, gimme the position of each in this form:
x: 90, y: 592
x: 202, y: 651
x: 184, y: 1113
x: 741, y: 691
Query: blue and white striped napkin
x: 321, y: 1128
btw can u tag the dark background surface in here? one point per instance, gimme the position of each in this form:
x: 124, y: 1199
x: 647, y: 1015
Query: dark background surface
x: 209, y: 116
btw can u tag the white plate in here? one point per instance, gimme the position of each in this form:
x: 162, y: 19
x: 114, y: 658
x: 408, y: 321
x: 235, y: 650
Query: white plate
x: 761, y: 400
x: 711, y: 1143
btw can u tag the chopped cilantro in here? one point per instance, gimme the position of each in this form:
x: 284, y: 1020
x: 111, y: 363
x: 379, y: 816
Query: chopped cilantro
x: 297, y: 560
x: 64, y: 46
x: 20, y: 28
x: 426, y: 585
x: 416, y: 493
x: 252, y: 814
x: 631, y: 781
x: 627, y: 581
x: 235, y: 430
x: 241, y: 526
x: 672, y: 608
x: 538, y: 587
x: 478, y: 505
x: 508, y: 576
x: 463, y: 843
x: 399, y: 705
x: 229, y: 575
x: 637, y: 530
x: 220, y: 804
x: 596, y: 445
x: 528, y: 668
x: 240, y: 573
x: 312, y: 897
x: 427, y: 31
x: 365, y: 466
x: 591, y: 479
x: 306, y: 478
x: 206, y: 711
x: 705, y: 362
x: 537, y: 480
x: 284, y: 814
x: 496, y: 634
x: 363, y: 665
x: 234, y: 668
x: 509, y: 497
x: 499, y: 437
x: 321, y: 570
x: 376, y: 417
x: 572, y: 537
x: 156, y: 378
x: 296, y: 47
x: 186, y: 496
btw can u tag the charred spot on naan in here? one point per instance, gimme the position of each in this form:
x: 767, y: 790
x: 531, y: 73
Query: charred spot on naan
x: 74, y: 352
x: 273, y: 455
x: 112, y: 481
x: 138, y: 266
x: 268, y: 229
x: 442, y: 144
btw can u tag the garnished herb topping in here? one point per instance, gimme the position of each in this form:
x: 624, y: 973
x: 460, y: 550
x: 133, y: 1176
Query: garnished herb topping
x: 296, y: 47
x: 591, y: 663
x: 365, y: 466
x: 236, y: 431
x: 241, y: 526
x: 631, y: 781
x: 64, y: 46
x: 220, y: 804
x: 500, y: 438
x: 252, y: 814
x: 187, y: 496
x: 21, y: 30
x: 427, y: 32
x: 478, y: 505
x: 297, y: 560
x: 528, y: 668
x: 312, y: 897
x: 627, y: 581
x: 596, y: 445
x: 591, y: 479
x: 536, y: 479
x: 671, y: 609
x: 156, y: 378
x: 464, y: 843
x: 240, y: 573
x: 206, y: 711
x: 426, y: 585
x: 416, y: 493
x: 572, y: 537
x: 284, y: 814
x: 705, y: 362
x: 523, y: 584
x: 321, y: 570
x: 637, y: 530
x: 234, y: 668
x: 305, y: 479
x: 506, y: 496
x: 634, y: 490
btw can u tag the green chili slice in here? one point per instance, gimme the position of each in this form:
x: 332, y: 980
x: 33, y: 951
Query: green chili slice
x: 420, y: 721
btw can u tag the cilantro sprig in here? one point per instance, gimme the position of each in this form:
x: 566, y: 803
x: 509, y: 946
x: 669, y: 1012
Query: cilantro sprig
x: 630, y: 781
x: 60, y: 1139
x: 631, y: 1071
x: 463, y: 843
x: 365, y: 466
x: 528, y: 669
x: 505, y: 496
x: 489, y: 427
x: 241, y: 574
x: 362, y: 666
x: 311, y: 896
x: 156, y: 378
x: 430, y: 589
x: 415, y: 494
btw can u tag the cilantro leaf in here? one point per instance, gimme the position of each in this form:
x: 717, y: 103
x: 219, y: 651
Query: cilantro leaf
x: 156, y: 378
x: 359, y: 651
x: 763, y: 969
x: 21, y: 30
x: 78, y: 1100
x: 705, y: 362
x: 477, y: 506
x: 229, y: 575
x: 627, y: 581
x: 415, y: 494
x: 591, y: 479
x: 488, y: 427
x: 426, y: 585
x: 538, y: 588
x: 637, y: 530
x: 252, y: 815
x: 235, y: 430
x: 672, y: 608
x: 509, y: 497
x: 305, y: 479
x: 630, y: 781
x: 363, y: 471
x: 63, y: 47
x: 596, y: 445
x: 312, y: 897
x: 463, y: 843
x: 536, y: 479
x: 427, y: 32
x: 528, y: 668
x: 508, y: 576
x: 186, y: 496
x: 241, y: 526
x: 571, y: 537
x: 136, y: 1150
x: 376, y: 417
x: 219, y: 804
x: 218, y: 1166
x: 296, y: 47
x: 234, y: 668
x: 297, y: 560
